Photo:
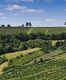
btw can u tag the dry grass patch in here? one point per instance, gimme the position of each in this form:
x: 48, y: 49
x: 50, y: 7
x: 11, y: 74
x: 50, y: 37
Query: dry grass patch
x: 2, y: 66
x: 14, y: 54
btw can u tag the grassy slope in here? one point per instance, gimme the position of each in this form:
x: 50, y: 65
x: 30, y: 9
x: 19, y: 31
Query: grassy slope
x: 53, y: 67
x: 14, y: 55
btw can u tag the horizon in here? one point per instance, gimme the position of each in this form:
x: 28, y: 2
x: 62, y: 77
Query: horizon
x: 39, y: 12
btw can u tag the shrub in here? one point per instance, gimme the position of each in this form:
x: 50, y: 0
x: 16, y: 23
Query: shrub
x: 3, y: 59
x: 41, y: 60
x: 21, y: 55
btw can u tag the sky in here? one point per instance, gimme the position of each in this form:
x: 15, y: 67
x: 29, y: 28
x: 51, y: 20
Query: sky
x: 39, y: 12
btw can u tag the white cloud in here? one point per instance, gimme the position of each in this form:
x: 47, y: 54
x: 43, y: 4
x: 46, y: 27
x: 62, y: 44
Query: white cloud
x: 34, y: 11
x: 28, y: 11
x: 22, y: 9
x: 27, y: 0
x: 1, y: 14
x: 15, y: 7
x: 19, y: 1
x: 50, y: 20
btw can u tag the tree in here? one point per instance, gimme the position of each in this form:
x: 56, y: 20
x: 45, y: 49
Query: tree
x: 41, y: 60
x: 8, y: 25
x: 22, y: 25
x: 2, y: 25
x: 27, y: 24
x: 64, y: 23
x: 30, y: 24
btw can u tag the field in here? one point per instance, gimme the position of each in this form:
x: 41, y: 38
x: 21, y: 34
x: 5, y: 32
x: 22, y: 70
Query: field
x: 41, y: 60
x: 13, y: 30
x: 29, y: 67
x: 50, y: 30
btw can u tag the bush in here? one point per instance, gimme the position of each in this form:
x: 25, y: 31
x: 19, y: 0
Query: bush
x: 41, y: 60
x: 21, y: 55
x: 3, y: 59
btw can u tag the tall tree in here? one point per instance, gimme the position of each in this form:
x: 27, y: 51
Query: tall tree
x: 30, y: 24
x: 22, y: 25
x: 64, y: 23
x: 2, y: 25
x: 27, y: 24
x: 8, y: 25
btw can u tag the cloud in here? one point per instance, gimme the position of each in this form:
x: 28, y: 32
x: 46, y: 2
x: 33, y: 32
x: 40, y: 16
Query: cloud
x: 19, y: 1
x: 34, y: 11
x: 50, y: 20
x: 28, y: 11
x: 1, y: 14
x: 15, y: 7
x: 23, y: 9
x: 27, y: 0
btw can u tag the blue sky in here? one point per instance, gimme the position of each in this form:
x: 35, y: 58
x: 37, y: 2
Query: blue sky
x: 39, y: 12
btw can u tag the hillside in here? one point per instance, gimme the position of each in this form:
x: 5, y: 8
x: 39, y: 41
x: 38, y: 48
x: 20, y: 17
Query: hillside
x: 21, y: 38
x: 32, y: 53
x: 10, y: 56
x: 37, y: 66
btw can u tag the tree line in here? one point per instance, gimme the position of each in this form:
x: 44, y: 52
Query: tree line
x: 28, y: 24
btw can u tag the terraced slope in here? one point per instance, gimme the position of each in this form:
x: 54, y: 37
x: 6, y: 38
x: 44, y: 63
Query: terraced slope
x: 10, y: 56
x: 30, y: 67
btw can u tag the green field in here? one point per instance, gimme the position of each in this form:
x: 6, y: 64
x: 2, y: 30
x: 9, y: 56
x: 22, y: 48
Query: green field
x: 36, y: 58
x: 29, y: 67
x: 15, y: 30
x: 50, y: 30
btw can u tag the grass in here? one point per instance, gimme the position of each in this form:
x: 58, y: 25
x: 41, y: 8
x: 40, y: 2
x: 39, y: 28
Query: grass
x: 52, y: 68
x: 26, y: 65
x: 50, y: 30
x: 14, y: 54
x: 16, y: 30
x: 11, y: 56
